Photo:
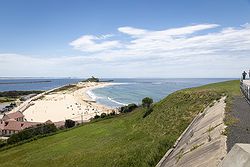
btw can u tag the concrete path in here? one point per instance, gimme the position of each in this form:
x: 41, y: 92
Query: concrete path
x: 202, y: 143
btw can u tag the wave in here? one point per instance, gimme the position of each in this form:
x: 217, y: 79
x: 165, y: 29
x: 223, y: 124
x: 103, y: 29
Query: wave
x: 91, y: 95
x: 124, y: 83
x: 157, y: 83
x: 117, y: 102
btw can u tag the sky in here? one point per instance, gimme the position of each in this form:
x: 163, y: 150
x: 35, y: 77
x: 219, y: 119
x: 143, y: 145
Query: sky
x: 124, y: 38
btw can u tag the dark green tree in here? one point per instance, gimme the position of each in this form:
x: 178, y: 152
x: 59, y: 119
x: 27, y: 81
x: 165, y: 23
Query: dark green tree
x: 147, y: 102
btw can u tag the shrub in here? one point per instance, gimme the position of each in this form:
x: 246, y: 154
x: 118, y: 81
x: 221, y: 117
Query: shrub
x: 103, y: 115
x: 148, y: 111
x: 69, y: 123
x: 146, y: 102
x: 96, y: 116
x: 112, y: 113
x: 128, y: 108
x: 31, y: 132
x: 2, y: 143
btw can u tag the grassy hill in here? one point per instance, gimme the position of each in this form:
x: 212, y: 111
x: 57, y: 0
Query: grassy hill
x: 126, y: 140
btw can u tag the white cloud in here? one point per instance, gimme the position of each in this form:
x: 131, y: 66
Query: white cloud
x: 135, y: 32
x: 190, y: 51
x: 90, y: 43
x: 132, y: 31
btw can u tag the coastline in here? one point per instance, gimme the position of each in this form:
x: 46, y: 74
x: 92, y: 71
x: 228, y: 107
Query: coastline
x: 60, y: 104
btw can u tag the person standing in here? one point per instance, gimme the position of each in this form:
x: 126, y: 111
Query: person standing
x: 244, y: 74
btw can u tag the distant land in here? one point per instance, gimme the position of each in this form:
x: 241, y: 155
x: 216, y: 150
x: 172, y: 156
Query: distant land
x: 24, y: 82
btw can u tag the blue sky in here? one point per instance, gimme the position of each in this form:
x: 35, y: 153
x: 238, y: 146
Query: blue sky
x: 124, y: 38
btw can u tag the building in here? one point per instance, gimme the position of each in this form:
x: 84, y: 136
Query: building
x: 18, y: 116
x: 13, y: 123
x: 12, y: 126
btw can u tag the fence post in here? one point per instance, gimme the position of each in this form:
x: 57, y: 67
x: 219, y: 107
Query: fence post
x: 248, y: 93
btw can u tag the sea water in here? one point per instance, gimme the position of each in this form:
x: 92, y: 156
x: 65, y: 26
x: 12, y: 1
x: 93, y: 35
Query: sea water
x: 127, y: 91
x: 124, y: 91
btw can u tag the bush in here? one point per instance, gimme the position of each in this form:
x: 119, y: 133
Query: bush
x: 96, y: 116
x: 128, y: 108
x: 31, y: 132
x: 103, y: 115
x: 112, y: 113
x: 2, y: 143
x: 69, y: 123
x: 146, y: 102
x: 148, y: 111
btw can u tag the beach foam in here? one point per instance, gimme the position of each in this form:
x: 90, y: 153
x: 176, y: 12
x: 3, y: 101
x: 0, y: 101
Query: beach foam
x: 117, y: 102
x: 91, y: 95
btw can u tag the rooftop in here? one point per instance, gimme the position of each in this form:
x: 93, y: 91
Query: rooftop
x: 15, y: 115
x: 16, y: 125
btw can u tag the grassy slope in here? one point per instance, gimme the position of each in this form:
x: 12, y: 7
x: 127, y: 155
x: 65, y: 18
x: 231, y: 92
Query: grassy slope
x: 127, y: 140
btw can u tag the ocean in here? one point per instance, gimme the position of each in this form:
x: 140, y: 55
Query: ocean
x: 123, y: 92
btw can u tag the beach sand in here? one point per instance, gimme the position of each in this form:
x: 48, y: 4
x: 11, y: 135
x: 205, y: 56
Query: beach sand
x: 73, y: 103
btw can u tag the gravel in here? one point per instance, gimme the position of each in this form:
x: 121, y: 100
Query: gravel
x: 240, y: 131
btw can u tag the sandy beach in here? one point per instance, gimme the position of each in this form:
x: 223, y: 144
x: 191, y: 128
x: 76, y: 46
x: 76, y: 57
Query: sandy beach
x: 61, y: 104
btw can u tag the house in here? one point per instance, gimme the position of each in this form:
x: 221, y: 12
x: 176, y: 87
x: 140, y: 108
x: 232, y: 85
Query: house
x: 14, y: 122
x: 18, y: 116
x: 12, y: 126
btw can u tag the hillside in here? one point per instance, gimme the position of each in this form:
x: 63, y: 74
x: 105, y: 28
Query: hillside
x: 126, y: 140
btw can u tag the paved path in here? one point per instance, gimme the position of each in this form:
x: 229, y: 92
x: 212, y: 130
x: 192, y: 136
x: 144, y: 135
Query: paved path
x: 240, y: 131
x: 202, y: 144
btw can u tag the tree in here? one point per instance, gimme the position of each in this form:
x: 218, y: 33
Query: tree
x: 146, y: 102
x: 128, y: 108
x: 69, y: 123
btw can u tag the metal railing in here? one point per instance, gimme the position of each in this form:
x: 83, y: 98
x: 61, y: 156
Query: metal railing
x: 245, y: 89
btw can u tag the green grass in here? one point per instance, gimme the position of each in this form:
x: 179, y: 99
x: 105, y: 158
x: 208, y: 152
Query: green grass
x: 125, y: 140
x: 6, y: 99
x: 65, y: 88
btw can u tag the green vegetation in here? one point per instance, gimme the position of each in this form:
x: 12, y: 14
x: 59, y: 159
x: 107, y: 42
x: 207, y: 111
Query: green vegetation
x: 104, y: 116
x: 6, y: 99
x: 65, y: 88
x: 147, y: 102
x: 148, y: 111
x: 128, y: 108
x: 31, y: 132
x: 124, y: 140
x: 9, y: 96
